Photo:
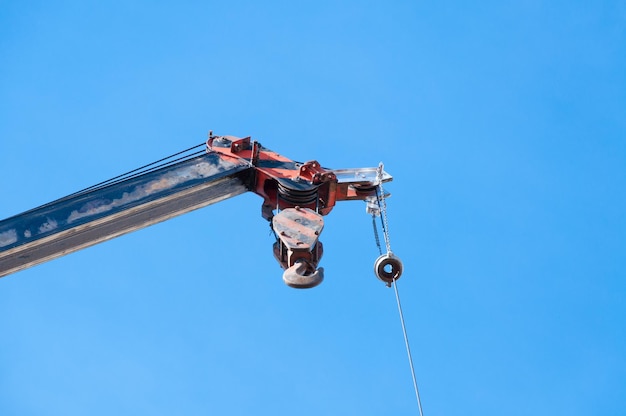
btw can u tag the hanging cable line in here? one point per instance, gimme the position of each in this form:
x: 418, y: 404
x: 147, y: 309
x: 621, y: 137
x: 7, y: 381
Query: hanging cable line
x: 388, y: 267
x: 380, y: 249
x: 408, y: 348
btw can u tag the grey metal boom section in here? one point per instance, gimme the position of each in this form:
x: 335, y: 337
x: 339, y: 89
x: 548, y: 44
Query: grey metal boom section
x: 82, y: 220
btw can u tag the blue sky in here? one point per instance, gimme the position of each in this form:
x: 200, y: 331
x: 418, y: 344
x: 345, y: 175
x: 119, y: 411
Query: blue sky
x: 504, y: 126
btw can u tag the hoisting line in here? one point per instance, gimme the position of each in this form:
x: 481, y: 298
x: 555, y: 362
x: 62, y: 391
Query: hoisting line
x: 408, y: 349
x: 382, y: 211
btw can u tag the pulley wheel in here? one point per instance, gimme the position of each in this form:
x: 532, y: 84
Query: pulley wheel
x: 388, y: 268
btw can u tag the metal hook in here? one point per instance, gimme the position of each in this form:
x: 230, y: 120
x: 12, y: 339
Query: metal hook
x: 296, y: 276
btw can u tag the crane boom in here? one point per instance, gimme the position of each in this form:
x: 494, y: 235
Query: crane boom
x: 71, y: 223
x: 295, y: 197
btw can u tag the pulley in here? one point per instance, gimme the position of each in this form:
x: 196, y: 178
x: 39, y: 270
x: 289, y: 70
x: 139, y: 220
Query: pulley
x: 388, y: 268
x: 297, y: 248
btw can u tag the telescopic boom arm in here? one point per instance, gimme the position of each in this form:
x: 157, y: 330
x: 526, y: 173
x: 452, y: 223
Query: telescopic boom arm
x: 295, y: 197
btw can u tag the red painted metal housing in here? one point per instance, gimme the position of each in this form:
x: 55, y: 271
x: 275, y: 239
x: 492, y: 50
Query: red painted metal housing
x: 284, y: 183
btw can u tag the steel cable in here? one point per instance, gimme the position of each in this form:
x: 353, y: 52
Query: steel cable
x: 380, y: 198
x: 408, y: 348
x: 134, y: 173
x: 140, y: 170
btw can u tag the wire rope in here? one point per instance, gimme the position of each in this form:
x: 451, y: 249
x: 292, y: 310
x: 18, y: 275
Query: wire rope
x: 408, y: 348
x: 380, y: 199
x: 140, y: 170
x: 123, y: 178
x: 380, y: 249
x: 150, y: 167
